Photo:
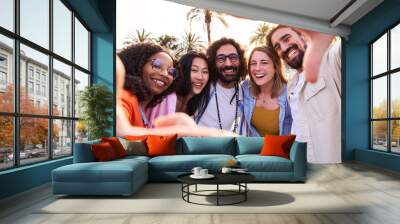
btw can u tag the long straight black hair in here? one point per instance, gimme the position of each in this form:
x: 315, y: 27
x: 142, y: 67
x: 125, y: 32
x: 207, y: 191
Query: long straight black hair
x: 184, y: 84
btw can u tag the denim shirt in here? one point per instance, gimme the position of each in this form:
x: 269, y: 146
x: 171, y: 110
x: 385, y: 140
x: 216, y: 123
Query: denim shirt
x: 249, y: 102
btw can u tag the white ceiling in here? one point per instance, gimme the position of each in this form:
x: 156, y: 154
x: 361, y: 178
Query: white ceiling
x: 319, y: 15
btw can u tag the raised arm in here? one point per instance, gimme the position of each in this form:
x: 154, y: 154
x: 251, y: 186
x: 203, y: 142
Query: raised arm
x: 177, y: 123
x: 317, y: 44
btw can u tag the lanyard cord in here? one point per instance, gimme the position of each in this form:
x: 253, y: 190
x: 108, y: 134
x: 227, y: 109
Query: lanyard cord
x: 236, y: 108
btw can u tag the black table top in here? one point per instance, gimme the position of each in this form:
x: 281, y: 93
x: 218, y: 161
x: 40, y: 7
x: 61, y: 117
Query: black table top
x: 220, y: 178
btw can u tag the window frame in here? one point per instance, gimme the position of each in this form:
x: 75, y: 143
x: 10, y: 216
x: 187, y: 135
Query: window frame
x: 388, y: 74
x: 16, y: 115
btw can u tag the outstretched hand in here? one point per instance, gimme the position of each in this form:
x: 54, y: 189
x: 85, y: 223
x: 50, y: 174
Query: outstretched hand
x: 183, y: 125
x: 174, y: 119
x: 317, y: 44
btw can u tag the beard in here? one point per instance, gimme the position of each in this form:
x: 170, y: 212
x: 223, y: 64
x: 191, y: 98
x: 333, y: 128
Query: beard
x: 296, y: 62
x: 228, y: 78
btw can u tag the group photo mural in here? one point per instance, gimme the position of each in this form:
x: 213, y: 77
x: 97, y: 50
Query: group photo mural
x: 197, y: 72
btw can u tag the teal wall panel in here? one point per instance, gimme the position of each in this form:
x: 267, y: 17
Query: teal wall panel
x: 380, y: 159
x: 24, y: 178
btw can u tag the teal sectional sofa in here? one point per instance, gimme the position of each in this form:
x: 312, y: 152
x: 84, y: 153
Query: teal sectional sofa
x: 125, y: 176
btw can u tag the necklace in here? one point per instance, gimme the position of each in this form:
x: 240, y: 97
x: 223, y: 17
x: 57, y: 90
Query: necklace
x: 236, y: 108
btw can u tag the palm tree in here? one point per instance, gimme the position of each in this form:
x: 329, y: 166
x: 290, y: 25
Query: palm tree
x: 168, y: 41
x: 140, y: 37
x: 207, y: 15
x: 260, y: 33
x: 190, y: 42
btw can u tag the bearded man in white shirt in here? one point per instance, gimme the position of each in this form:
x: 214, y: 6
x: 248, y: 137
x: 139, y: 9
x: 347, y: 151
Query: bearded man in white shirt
x: 315, y: 92
x: 226, y: 68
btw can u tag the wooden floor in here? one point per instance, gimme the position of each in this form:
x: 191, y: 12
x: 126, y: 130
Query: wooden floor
x: 377, y: 188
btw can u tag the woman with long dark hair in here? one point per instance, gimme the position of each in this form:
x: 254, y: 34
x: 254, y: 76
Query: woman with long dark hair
x: 193, y: 83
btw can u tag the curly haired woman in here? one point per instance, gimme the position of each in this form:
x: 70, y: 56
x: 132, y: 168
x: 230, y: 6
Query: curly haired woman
x: 145, y: 74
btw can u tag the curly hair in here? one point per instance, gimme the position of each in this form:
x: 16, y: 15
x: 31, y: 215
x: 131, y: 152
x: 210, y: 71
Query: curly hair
x: 212, y: 54
x: 184, y: 83
x: 134, y: 57
x: 279, y: 80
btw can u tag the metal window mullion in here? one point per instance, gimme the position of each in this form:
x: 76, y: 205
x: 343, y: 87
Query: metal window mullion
x: 73, y: 82
x: 16, y: 84
x: 371, y: 137
x: 89, y: 54
x: 50, y: 81
x: 389, y: 101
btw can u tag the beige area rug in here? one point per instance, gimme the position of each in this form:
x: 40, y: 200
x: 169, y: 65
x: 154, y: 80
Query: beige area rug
x: 166, y: 198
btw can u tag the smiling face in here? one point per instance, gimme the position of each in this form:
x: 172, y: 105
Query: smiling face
x: 227, y: 63
x: 155, y: 73
x: 289, y: 46
x: 261, y: 68
x: 198, y: 75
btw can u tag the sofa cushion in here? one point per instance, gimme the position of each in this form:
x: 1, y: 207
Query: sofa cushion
x: 185, y: 163
x: 161, y: 145
x: 249, y: 145
x: 116, y: 145
x: 103, y: 152
x: 83, y: 152
x: 257, y: 163
x: 277, y: 145
x: 206, y: 145
x: 112, y: 171
x: 134, y: 147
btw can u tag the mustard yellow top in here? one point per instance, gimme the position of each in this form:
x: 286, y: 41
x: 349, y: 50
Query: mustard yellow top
x: 266, y: 121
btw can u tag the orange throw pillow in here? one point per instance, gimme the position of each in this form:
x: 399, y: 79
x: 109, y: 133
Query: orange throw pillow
x: 103, y: 152
x: 135, y: 138
x: 116, y: 145
x: 161, y: 145
x: 275, y: 145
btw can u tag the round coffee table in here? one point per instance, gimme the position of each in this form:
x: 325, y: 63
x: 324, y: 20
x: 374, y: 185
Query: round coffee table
x: 238, y: 179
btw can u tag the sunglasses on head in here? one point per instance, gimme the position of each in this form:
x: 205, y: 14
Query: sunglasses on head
x: 157, y: 66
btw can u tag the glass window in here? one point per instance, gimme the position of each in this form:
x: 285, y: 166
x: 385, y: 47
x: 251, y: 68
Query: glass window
x: 34, y: 21
x: 40, y: 62
x: 395, y: 136
x: 33, y: 140
x: 3, y: 61
x: 37, y: 89
x: 62, y: 72
x: 379, y: 135
x: 44, y: 91
x: 6, y: 142
x: 7, y: 14
x: 379, y: 56
x: 395, y: 47
x: 81, y: 131
x: 3, y: 78
x: 30, y: 72
x: 62, y: 138
x: 388, y: 81
x: 81, y: 81
x: 7, y: 75
x: 30, y: 88
x: 395, y: 95
x: 81, y: 45
x: 62, y: 29
x: 379, y: 97
x: 34, y: 80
